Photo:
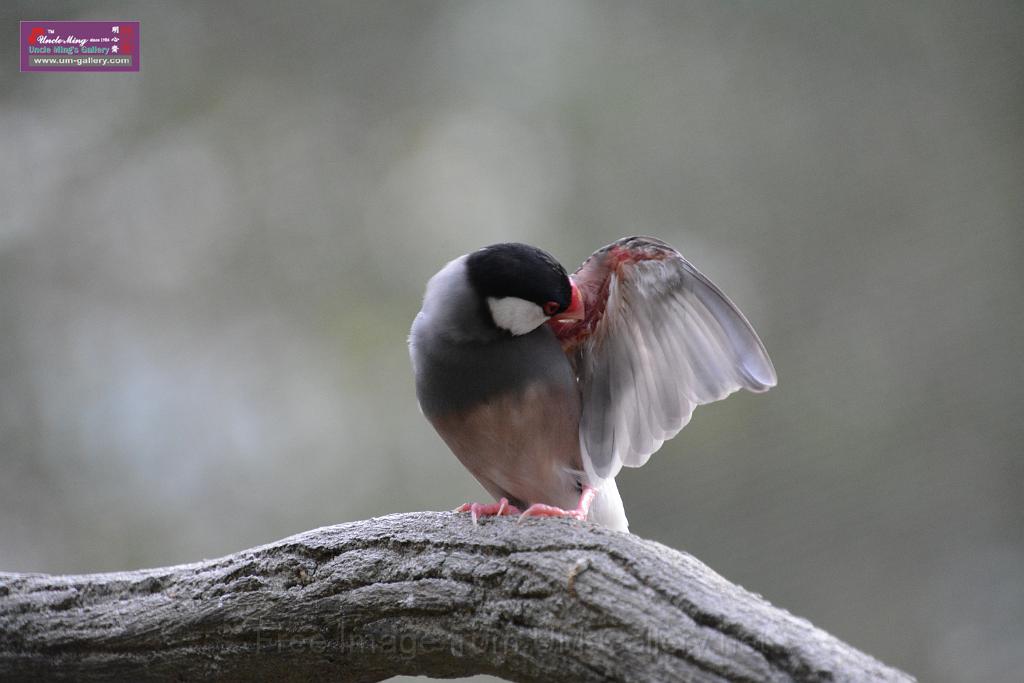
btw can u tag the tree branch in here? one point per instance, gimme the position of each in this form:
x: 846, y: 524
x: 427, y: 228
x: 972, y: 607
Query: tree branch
x: 424, y: 593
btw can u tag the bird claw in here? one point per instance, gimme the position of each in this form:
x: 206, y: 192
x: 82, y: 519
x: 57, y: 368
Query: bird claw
x: 579, y: 512
x: 542, y: 510
x: 477, y: 510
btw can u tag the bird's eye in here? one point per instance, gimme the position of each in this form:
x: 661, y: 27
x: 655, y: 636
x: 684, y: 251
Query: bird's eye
x: 551, y: 307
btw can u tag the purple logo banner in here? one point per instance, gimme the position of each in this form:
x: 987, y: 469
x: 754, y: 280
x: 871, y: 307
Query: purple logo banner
x: 80, y: 46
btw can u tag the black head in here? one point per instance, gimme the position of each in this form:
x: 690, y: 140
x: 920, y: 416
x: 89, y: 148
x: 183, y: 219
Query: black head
x: 518, y: 270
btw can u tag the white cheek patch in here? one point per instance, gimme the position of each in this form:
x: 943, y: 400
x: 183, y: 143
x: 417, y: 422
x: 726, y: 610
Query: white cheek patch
x: 516, y: 315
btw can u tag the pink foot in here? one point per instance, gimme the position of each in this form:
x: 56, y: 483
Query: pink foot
x: 580, y: 512
x: 478, y: 510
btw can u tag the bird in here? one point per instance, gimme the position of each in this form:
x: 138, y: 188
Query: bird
x: 545, y: 385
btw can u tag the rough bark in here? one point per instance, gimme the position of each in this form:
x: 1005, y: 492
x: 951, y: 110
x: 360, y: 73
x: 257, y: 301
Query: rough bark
x: 423, y: 593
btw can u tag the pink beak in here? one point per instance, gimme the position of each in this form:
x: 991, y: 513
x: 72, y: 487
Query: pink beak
x: 576, y: 310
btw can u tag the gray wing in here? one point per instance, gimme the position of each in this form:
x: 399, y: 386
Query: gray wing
x: 667, y: 341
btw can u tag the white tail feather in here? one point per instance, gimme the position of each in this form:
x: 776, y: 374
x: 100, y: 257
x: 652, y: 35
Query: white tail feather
x: 607, y: 508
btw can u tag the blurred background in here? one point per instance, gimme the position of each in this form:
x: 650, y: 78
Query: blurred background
x: 208, y: 271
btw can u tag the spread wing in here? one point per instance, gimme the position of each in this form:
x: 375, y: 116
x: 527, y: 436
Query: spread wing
x: 659, y: 339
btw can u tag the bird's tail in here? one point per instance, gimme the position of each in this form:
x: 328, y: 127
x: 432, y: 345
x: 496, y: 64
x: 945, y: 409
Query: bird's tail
x: 607, y: 507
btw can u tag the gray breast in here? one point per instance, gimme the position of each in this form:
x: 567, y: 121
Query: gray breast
x: 453, y: 376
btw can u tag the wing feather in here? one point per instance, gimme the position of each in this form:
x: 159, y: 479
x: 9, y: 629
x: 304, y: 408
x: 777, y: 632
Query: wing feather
x: 660, y: 339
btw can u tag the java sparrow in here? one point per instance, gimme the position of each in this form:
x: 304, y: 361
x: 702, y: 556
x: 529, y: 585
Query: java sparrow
x: 545, y: 385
